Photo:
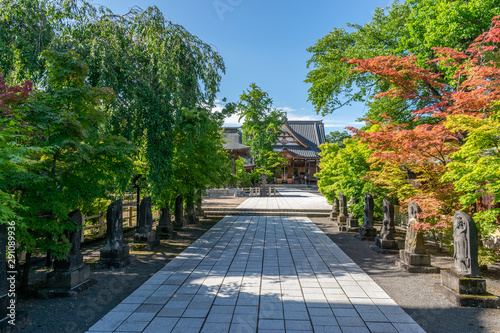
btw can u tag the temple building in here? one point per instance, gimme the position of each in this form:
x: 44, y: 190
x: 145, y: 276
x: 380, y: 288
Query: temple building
x: 298, y: 142
x: 232, y: 139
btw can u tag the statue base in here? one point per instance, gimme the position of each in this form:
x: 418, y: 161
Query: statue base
x: 351, y: 226
x: 66, y: 280
x: 416, y: 263
x: 179, y: 226
x: 116, y: 258
x: 165, y: 232
x: 191, y: 219
x: 61, y: 292
x: 465, y: 291
x: 341, y: 219
x: 333, y: 216
x: 366, y: 233
x: 147, y: 237
x: 385, y: 246
x: 144, y: 246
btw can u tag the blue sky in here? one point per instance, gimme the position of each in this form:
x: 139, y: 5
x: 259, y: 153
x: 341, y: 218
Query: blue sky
x: 265, y: 42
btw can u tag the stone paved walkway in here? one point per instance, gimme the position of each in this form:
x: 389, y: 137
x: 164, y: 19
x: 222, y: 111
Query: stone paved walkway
x: 259, y: 274
x: 290, y: 199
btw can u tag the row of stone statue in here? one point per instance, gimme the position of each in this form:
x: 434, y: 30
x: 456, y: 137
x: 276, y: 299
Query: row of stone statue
x: 413, y: 257
x: 71, y: 274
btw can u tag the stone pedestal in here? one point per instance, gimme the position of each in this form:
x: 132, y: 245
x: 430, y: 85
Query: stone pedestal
x: 385, y: 246
x: 333, y: 216
x: 145, y: 237
x: 366, y: 233
x: 115, y: 258
x: 466, y: 291
x: 351, y: 225
x: 416, y: 262
x: 145, y: 241
x: 70, y: 275
x: 165, y: 228
x: 115, y: 252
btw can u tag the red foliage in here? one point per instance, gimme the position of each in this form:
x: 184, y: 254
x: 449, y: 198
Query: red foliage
x: 12, y: 95
x: 474, y: 88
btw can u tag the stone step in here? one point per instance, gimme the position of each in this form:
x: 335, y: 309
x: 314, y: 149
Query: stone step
x: 303, y: 213
x: 216, y: 209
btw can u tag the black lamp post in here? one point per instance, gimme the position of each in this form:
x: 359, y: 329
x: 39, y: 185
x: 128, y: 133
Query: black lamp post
x: 138, y: 184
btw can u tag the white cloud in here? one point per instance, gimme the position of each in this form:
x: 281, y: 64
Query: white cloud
x: 302, y: 118
x: 286, y: 109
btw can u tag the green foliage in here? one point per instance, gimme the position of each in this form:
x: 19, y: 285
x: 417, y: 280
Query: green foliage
x: 155, y: 67
x: 333, y: 83
x: 338, y: 137
x: 268, y: 162
x: 475, y: 168
x: 411, y: 27
x: 63, y: 147
x: 261, y: 124
x: 241, y: 178
x: 345, y: 170
x: 199, y: 157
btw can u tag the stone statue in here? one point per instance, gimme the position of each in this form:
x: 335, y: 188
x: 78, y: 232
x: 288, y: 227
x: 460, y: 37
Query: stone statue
x: 368, y: 221
x: 466, y: 245
x: 179, y: 213
x: 71, y: 271
x: 114, y: 224
x: 388, y: 228
x: 335, y: 206
x: 414, y: 241
x: 145, y: 222
x: 342, y: 204
x: 115, y: 252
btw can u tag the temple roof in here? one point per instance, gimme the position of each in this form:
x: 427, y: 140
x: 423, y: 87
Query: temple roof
x: 309, y: 134
x: 233, y: 140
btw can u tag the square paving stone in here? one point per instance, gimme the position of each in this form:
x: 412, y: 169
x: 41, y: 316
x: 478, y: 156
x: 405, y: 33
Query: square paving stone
x: 319, y: 320
x: 327, y: 329
x: 161, y: 324
x: 355, y: 330
x: 244, y: 319
x: 271, y: 324
x: 195, y: 313
x: 219, y: 317
x: 110, y: 322
x: 381, y: 328
x: 350, y: 322
x: 373, y: 316
x: 408, y: 328
x: 298, y: 325
x: 215, y: 328
x: 132, y: 326
x: 296, y: 315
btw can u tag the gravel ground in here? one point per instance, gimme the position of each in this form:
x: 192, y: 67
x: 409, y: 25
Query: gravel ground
x: 416, y: 293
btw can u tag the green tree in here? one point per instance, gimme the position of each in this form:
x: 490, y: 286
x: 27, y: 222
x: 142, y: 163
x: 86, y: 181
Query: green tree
x: 199, y: 157
x: 346, y: 170
x: 155, y: 67
x: 338, y: 137
x: 62, y: 147
x: 262, y: 123
x: 411, y: 27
